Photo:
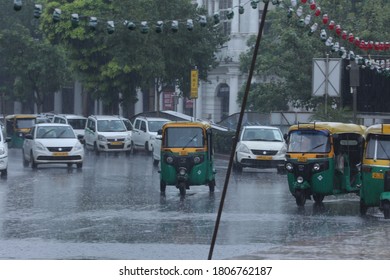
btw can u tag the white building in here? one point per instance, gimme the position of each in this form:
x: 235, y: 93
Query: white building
x: 218, y: 99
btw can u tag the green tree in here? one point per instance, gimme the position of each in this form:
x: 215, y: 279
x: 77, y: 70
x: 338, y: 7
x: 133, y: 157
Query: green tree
x: 121, y: 62
x: 287, y: 50
x: 31, y: 68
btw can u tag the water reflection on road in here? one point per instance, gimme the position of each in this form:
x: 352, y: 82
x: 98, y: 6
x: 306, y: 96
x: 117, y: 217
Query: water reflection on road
x: 112, y: 209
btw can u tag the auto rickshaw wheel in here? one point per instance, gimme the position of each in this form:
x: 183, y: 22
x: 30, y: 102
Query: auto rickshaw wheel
x: 212, y: 185
x: 386, y: 209
x: 163, y: 186
x: 182, y: 188
x: 318, y: 198
x: 363, y: 207
x: 300, y: 197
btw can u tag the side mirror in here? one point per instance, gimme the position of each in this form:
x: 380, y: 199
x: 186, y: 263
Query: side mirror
x: 7, y: 139
x: 28, y: 136
x: 159, y: 132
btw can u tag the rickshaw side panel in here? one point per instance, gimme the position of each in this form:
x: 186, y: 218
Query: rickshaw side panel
x: 373, y: 187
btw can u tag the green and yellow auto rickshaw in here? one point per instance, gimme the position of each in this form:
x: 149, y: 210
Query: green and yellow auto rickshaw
x: 323, y: 158
x: 375, y: 190
x: 17, y: 126
x: 186, y: 156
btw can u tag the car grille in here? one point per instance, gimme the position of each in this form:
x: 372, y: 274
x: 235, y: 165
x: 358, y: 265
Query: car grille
x: 59, y: 158
x: 115, y: 146
x: 115, y: 139
x: 264, y: 152
x: 59, y: 149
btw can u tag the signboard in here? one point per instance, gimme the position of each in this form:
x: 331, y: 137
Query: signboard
x: 194, y: 84
x: 326, y: 78
x: 167, y: 100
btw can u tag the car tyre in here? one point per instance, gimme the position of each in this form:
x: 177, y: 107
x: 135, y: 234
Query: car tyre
x: 26, y: 163
x: 79, y: 165
x: 95, y: 148
x: 4, y: 173
x: 34, y: 165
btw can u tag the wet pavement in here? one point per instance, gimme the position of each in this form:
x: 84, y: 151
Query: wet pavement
x: 112, y: 209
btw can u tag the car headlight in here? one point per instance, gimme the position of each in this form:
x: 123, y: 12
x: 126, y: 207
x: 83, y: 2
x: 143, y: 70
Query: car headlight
x: 2, y: 151
x: 39, y: 146
x: 300, y: 179
x: 102, y: 138
x: 283, y: 150
x: 243, y: 149
x: 128, y: 137
x: 77, y: 147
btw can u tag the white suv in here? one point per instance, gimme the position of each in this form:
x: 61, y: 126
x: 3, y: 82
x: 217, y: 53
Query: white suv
x: 260, y: 147
x: 107, y: 133
x: 76, y: 122
x: 145, y: 130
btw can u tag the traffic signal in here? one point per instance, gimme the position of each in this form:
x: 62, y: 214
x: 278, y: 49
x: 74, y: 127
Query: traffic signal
x: 57, y: 15
x: 37, y: 10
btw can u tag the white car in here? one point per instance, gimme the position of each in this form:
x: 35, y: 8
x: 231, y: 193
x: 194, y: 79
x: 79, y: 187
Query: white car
x: 108, y: 134
x: 50, y: 143
x: 145, y: 130
x: 3, y: 153
x: 260, y: 147
x: 76, y: 121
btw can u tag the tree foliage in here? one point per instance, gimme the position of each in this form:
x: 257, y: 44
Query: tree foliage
x: 31, y: 68
x: 287, y: 51
x: 121, y: 62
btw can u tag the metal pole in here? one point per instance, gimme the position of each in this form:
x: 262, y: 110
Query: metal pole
x: 243, y: 105
x: 326, y: 83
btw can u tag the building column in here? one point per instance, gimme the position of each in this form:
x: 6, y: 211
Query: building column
x: 235, y: 20
x: 233, y: 93
x: 78, y: 98
x: 58, y: 102
x: 138, y: 107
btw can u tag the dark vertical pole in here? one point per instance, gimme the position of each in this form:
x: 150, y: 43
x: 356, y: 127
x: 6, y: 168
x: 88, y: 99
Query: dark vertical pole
x: 243, y: 105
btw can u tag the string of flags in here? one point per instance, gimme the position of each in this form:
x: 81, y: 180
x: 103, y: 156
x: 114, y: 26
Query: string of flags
x: 308, y: 13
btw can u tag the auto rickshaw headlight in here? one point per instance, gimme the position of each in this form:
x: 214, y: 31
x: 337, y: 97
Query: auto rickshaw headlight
x: 316, y: 167
x: 289, y: 166
x: 300, y: 179
x: 196, y: 160
x: 182, y: 171
x: 169, y: 160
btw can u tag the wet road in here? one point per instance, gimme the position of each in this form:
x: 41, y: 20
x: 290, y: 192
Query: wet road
x: 112, y: 209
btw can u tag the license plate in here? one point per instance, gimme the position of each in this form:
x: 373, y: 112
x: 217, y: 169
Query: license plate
x: 116, y: 143
x: 377, y: 175
x: 264, y: 157
x: 302, y: 159
x: 60, y: 154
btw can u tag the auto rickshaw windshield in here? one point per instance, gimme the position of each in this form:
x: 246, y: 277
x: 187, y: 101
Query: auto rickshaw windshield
x: 378, y: 147
x: 177, y: 137
x: 24, y: 123
x: 308, y: 141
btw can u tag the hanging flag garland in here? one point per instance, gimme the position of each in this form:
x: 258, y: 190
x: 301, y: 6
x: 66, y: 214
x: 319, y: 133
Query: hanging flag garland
x: 381, y: 66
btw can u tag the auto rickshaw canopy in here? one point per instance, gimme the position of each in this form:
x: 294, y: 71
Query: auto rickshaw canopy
x: 377, y: 129
x: 332, y: 127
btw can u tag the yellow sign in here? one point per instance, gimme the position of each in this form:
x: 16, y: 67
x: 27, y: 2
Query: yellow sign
x: 194, y: 84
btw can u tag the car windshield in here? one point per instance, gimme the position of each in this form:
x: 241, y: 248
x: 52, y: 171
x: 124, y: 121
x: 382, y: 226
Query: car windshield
x: 304, y: 141
x: 262, y: 134
x: 155, y: 126
x: 111, y: 126
x: 77, y: 123
x: 378, y: 147
x: 177, y: 137
x: 44, y: 132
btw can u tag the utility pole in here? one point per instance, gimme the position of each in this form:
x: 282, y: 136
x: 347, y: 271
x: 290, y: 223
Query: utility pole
x: 354, y: 83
